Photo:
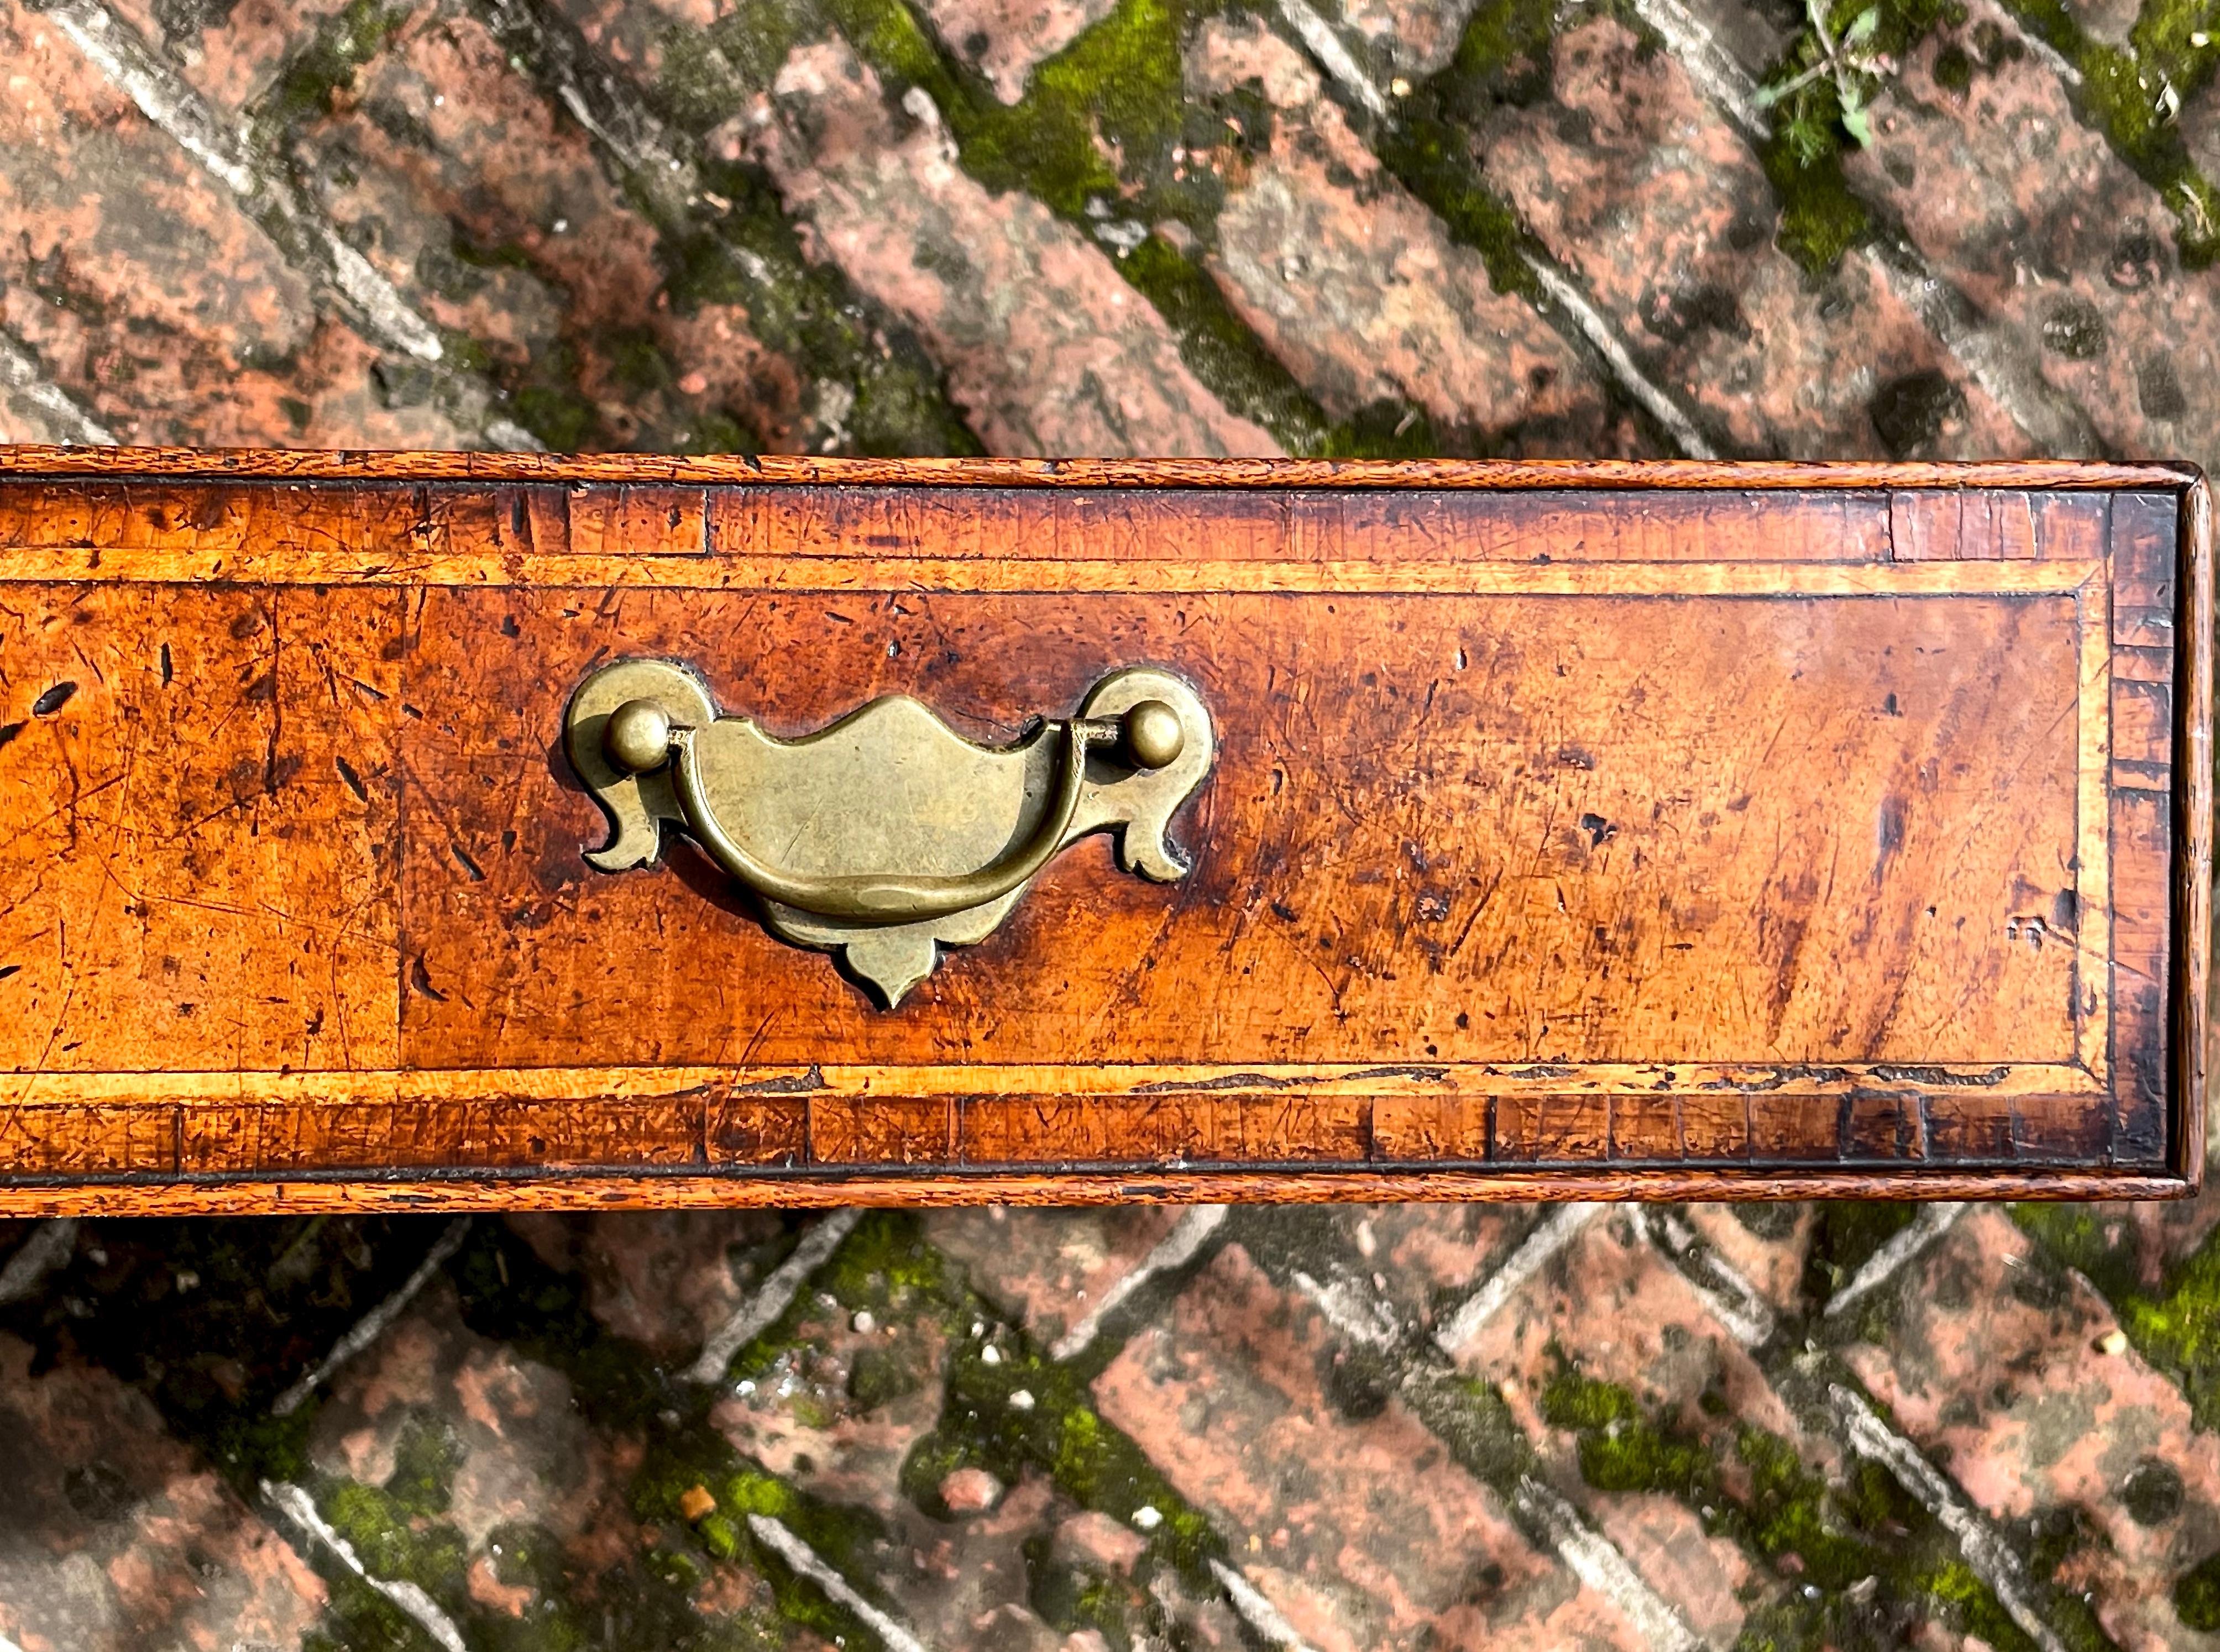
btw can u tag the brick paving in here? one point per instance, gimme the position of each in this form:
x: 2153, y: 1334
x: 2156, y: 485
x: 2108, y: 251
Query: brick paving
x: 1382, y: 226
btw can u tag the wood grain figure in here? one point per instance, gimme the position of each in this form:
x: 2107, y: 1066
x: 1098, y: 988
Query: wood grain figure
x: 1573, y: 830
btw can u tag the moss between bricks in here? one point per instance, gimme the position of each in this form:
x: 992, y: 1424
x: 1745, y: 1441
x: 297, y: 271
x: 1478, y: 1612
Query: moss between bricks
x: 847, y: 1539
x: 392, y: 1542
x: 1822, y: 218
x: 2197, y: 1596
x: 2120, y: 95
x: 357, y: 1618
x: 1426, y: 143
x: 749, y: 256
x: 896, y: 401
x: 1122, y: 79
x: 2175, y: 1327
x: 1095, y: 131
x: 1857, y: 1563
x: 885, y: 1266
x: 1071, y: 1601
x: 1222, y: 351
x: 1846, y: 1236
x: 543, y: 393
x: 400, y: 1532
x: 2099, y: 1242
x: 1619, y: 1450
x: 509, y: 1295
x: 1503, y: 57
x: 212, y: 1319
x: 325, y: 67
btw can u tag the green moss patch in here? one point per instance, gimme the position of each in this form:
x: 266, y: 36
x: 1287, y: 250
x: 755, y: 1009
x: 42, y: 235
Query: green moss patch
x: 731, y: 243
x: 1097, y: 127
x: 2132, y: 96
x: 2177, y: 1326
x: 393, y: 1543
x: 1006, y: 1407
x: 1502, y: 57
x: 1098, y: 132
x: 885, y: 1266
x: 1818, y: 96
x: 1821, y: 218
x: 1620, y: 1450
x: 846, y: 1538
x: 1218, y: 345
x: 1856, y: 1564
x: 2197, y: 1596
x: 2178, y: 1329
x: 1121, y: 79
x: 1431, y: 156
x: 315, y: 76
x: 2099, y: 1243
x: 509, y: 1294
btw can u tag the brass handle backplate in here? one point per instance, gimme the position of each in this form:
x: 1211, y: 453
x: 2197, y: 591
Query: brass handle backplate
x: 886, y: 835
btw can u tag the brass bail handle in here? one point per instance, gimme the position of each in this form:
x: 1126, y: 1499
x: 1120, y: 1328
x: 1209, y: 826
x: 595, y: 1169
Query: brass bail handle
x: 641, y: 738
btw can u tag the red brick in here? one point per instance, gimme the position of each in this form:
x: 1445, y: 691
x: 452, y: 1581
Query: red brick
x: 1417, y: 37
x: 233, y: 54
x: 799, y: 1420
x: 963, y: 1582
x: 147, y: 294
x: 1424, y: 1258
x: 1707, y: 1579
x: 1766, y: 1244
x: 1046, y: 349
x: 664, y: 1280
x: 1643, y: 189
x: 1048, y: 1269
x: 1360, y: 1533
x: 636, y: 33
x: 1994, y: 1367
x: 1359, y: 289
x: 524, y: 1450
x: 1615, y: 1307
x: 2012, y: 198
x: 1004, y: 40
x: 117, y: 1538
x: 551, y: 257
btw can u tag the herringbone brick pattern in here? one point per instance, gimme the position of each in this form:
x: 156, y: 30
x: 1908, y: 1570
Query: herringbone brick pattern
x: 1965, y: 228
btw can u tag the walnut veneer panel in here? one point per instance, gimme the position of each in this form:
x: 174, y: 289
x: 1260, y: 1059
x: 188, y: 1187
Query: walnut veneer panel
x: 1638, y: 830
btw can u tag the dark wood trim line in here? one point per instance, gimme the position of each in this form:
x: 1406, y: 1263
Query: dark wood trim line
x: 29, y: 462
x: 2191, y: 962
x: 631, y: 1191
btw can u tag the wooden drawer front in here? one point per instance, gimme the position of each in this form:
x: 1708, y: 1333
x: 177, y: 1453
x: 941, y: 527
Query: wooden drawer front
x: 1572, y: 831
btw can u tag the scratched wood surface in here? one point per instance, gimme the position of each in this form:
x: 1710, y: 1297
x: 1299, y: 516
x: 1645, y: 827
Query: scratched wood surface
x: 1658, y: 831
